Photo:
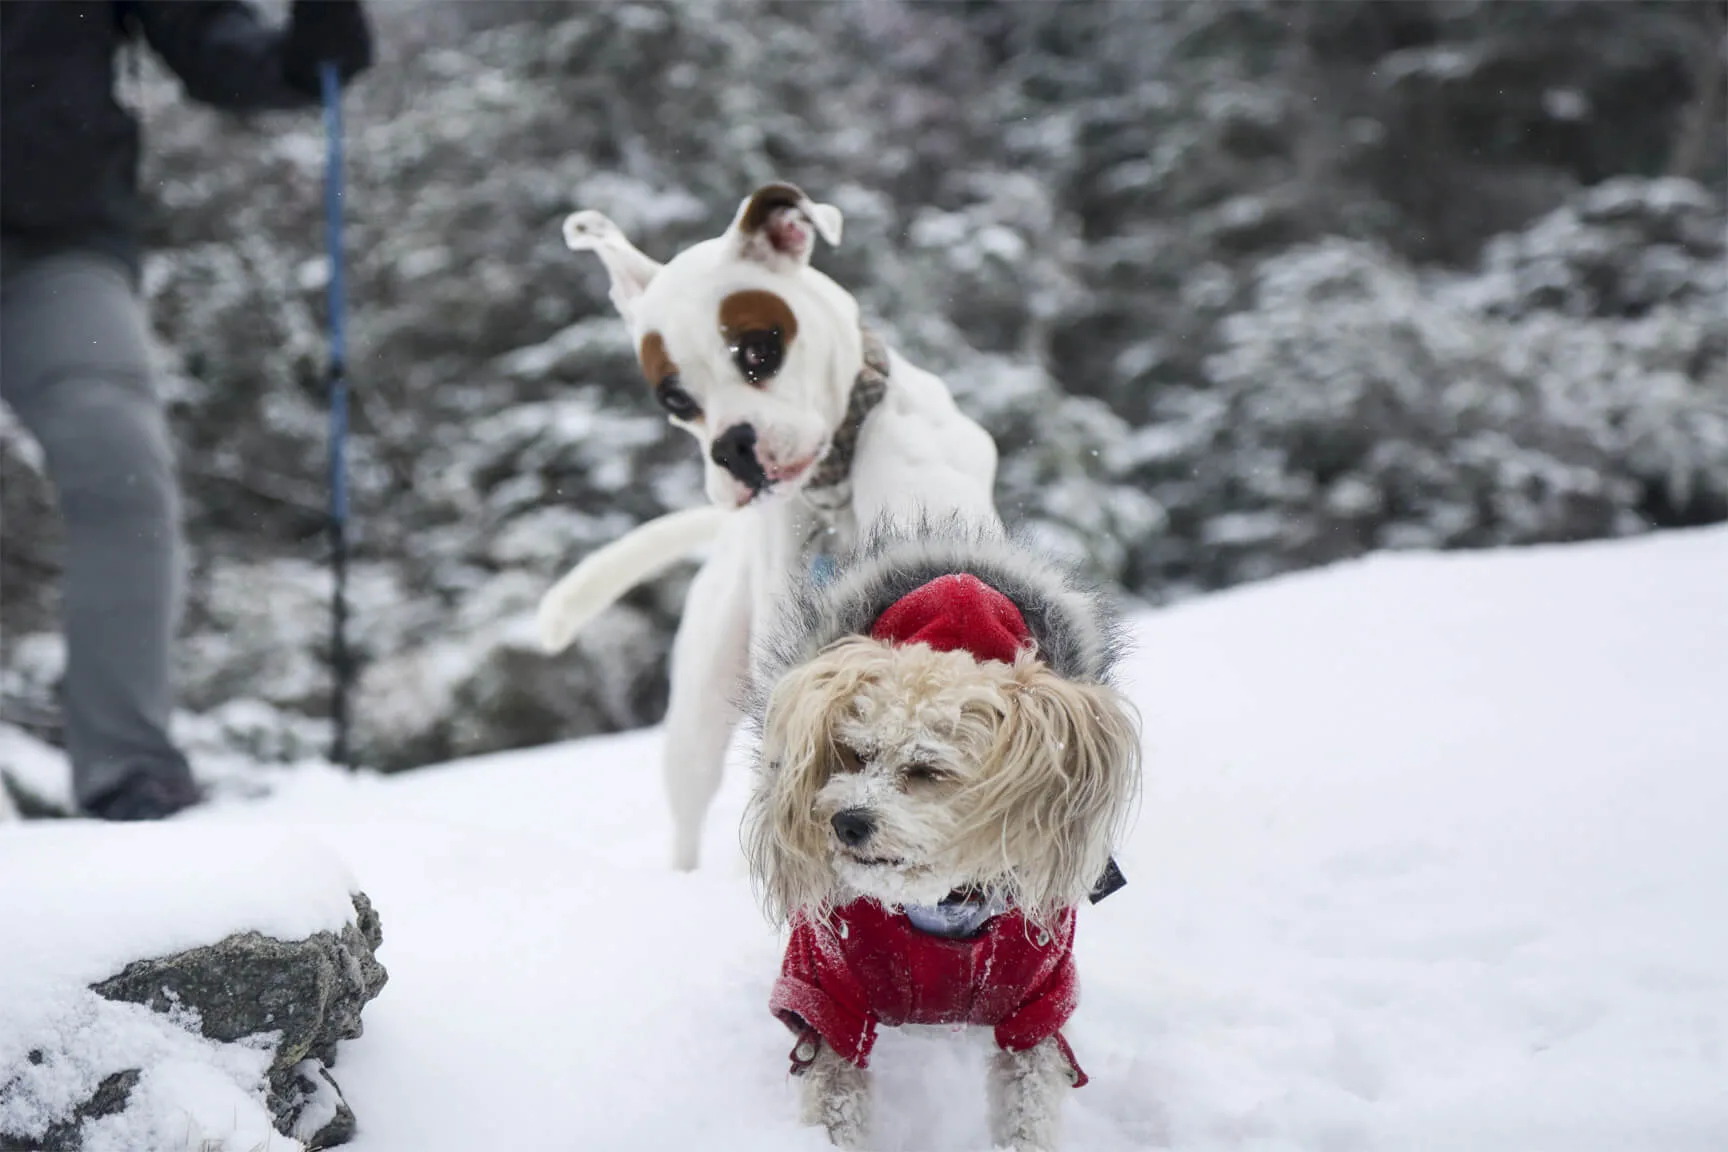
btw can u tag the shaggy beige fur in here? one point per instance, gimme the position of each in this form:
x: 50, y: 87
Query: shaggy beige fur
x: 1004, y: 777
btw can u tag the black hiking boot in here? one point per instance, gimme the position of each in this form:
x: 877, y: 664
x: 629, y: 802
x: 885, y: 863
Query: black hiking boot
x: 145, y: 796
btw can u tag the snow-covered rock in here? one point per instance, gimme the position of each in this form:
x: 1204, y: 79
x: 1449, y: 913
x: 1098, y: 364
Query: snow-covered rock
x: 170, y: 986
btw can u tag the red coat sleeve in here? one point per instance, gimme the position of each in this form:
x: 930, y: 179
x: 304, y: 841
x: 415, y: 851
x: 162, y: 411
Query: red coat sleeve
x: 817, y: 990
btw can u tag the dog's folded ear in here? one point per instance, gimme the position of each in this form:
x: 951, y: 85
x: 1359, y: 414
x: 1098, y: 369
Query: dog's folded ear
x: 629, y: 267
x: 778, y: 224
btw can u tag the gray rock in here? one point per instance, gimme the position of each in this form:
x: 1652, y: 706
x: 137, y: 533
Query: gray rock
x: 311, y: 992
x: 311, y: 1108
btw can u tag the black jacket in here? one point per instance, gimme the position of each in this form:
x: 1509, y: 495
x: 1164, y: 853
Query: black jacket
x: 69, y: 150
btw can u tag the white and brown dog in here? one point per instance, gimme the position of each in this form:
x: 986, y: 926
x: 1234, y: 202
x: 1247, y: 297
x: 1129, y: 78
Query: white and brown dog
x: 809, y: 428
x: 943, y: 769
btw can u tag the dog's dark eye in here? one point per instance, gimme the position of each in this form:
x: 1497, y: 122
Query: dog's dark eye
x: 679, y: 403
x: 847, y: 759
x: 759, y: 354
x: 924, y: 774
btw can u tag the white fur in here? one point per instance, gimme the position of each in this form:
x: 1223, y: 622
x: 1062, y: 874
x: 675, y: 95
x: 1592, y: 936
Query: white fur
x: 836, y: 1097
x: 1025, y: 1092
x: 917, y: 456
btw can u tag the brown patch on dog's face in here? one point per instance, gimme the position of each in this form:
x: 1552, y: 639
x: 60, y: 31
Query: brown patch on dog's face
x: 756, y: 311
x: 758, y: 327
x: 664, y: 379
x: 656, y: 364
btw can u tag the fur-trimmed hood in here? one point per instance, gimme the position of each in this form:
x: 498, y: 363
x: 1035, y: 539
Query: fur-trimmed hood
x: 1074, y: 636
x: 1075, y: 632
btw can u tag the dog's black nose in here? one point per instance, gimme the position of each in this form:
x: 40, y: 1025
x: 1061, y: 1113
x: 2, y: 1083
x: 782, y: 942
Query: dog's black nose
x: 853, y: 826
x: 735, y: 451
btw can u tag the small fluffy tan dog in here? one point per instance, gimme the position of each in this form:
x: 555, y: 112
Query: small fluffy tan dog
x: 944, y: 768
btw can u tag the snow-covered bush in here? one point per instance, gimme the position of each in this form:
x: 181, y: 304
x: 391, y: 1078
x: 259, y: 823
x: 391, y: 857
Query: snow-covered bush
x: 1350, y: 411
x: 1238, y: 288
x: 1360, y: 404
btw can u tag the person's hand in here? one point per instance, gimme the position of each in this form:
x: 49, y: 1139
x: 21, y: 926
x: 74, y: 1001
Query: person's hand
x: 325, y: 31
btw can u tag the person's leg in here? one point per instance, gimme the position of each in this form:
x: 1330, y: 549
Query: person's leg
x: 74, y: 366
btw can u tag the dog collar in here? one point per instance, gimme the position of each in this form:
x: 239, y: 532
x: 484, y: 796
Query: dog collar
x: 829, y: 489
x: 834, y: 472
x: 961, y: 915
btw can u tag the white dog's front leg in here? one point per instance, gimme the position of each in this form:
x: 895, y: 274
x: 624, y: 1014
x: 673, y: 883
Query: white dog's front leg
x: 837, y: 1096
x: 1025, y: 1091
x: 709, y: 661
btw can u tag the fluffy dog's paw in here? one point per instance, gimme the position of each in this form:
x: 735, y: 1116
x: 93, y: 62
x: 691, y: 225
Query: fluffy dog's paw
x: 837, y: 1097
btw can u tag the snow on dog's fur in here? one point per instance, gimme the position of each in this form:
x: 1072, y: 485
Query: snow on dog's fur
x: 1006, y: 781
x: 1003, y: 778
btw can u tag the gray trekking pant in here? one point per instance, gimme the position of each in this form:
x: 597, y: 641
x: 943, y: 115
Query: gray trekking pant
x: 74, y: 367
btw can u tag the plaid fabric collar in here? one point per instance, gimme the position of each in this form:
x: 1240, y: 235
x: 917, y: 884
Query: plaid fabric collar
x: 830, y: 486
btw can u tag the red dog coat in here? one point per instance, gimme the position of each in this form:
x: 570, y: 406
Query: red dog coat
x: 868, y: 966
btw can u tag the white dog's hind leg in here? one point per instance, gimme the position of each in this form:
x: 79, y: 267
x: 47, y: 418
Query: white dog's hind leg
x: 1025, y: 1092
x: 837, y: 1096
x: 709, y: 661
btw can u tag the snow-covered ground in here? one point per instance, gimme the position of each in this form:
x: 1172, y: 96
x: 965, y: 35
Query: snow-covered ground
x: 1433, y: 855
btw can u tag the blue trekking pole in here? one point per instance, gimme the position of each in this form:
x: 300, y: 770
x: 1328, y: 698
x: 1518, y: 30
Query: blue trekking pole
x: 341, y: 664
